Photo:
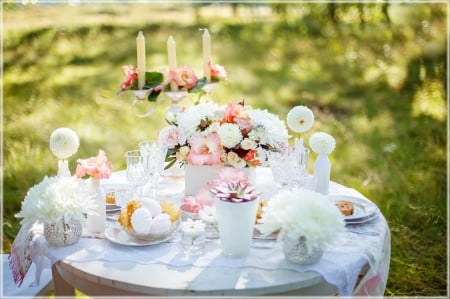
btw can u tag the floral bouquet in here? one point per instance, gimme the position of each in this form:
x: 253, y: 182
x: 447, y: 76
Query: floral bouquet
x: 54, y: 199
x: 233, y: 135
x: 301, y: 213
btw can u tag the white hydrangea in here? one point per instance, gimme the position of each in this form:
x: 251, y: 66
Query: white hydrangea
x: 64, y: 142
x: 268, y: 129
x: 230, y: 135
x: 322, y: 143
x: 300, y: 119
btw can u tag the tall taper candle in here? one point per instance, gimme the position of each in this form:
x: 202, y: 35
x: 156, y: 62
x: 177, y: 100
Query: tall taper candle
x: 206, y: 55
x: 140, y: 45
x: 172, y: 55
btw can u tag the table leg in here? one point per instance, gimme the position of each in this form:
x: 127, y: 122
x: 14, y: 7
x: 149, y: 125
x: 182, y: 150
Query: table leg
x: 60, y: 286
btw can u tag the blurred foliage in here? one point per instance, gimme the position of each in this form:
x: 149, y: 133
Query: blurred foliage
x: 374, y: 75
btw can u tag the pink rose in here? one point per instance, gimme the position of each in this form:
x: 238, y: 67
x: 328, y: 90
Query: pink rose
x: 235, y: 112
x: 217, y: 71
x: 184, y: 77
x: 172, y: 136
x: 97, y: 167
x: 229, y: 174
x: 199, y: 201
x: 205, y: 150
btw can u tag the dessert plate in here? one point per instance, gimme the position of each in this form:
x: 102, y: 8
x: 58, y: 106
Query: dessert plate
x: 364, y: 209
x: 116, y: 234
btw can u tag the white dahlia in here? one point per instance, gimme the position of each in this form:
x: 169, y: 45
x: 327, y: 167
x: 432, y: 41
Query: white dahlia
x: 300, y: 119
x: 322, y: 143
x: 64, y: 142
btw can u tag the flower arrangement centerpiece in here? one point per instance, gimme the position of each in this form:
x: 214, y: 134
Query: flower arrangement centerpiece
x: 236, y: 202
x: 96, y: 168
x: 59, y: 203
x: 234, y: 135
x: 301, y: 217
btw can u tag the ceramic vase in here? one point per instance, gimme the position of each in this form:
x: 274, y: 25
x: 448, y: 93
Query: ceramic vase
x: 63, y: 232
x: 235, y: 222
x: 197, y: 176
x: 298, y: 251
x: 322, y: 172
x: 96, y: 222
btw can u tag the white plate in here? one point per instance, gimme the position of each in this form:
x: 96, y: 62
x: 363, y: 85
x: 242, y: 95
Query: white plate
x: 116, y: 234
x: 364, y: 209
x: 112, y: 208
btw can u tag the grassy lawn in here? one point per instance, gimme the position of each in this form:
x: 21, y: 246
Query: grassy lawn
x: 379, y: 88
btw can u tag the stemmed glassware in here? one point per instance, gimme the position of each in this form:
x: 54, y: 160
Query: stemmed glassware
x: 137, y: 175
x: 154, y: 156
x: 289, y: 167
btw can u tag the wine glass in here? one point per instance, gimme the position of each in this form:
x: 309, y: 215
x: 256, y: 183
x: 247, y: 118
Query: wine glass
x: 154, y: 157
x: 137, y: 175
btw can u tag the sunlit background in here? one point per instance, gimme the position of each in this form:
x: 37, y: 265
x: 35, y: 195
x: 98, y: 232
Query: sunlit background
x: 375, y: 75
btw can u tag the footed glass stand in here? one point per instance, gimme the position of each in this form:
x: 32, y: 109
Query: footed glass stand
x: 141, y: 100
x: 175, y: 98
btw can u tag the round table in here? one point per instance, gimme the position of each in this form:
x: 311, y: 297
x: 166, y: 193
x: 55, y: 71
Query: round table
x: 125, y: 277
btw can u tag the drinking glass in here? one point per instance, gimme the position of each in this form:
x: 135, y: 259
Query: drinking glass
x: 289, y: 167
x: 137, y: 175
x: 154, y: 157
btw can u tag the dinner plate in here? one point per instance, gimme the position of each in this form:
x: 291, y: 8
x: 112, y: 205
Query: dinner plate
x: 116, y: 234
x: 112, y: 208
x: 364, y: 210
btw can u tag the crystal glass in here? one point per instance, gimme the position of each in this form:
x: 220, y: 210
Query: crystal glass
x: 289, y: 167
x: 137, y: 175
x: 175, y: 98
x: 193, y: 243
x: 154, y: 157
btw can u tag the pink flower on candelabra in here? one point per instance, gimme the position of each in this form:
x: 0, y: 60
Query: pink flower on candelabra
x: 184, y: 77
x: 218, y: 72
x: 130, y: 75
x: 205, y: 150
x: 97, y: 167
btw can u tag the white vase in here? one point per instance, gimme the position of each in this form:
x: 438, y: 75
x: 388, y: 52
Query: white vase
x: 96, y: 223
x: 197, y: 176
x: 62, y: 232
x: 298, y: 251
x: 236, y: 222
x: 322, y: 173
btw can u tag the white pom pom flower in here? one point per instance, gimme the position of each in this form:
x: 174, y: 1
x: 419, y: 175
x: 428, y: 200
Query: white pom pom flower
x: 300, y: 119
x: 230, y: 135
x: 322, y: 143
x: 64, y: 142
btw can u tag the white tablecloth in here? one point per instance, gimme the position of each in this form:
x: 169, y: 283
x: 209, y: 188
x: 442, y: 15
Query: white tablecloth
x: 341, y: 264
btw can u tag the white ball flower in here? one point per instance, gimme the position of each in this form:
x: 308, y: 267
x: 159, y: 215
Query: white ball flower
x: 64, y: 142
x: 300, y: 119
x: 230, y: 135
x: 322, y: 143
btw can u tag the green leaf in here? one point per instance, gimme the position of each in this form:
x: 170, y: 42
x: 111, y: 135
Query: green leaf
x: 153, y: 79
x: 153, y: 96
x: 200, y: 84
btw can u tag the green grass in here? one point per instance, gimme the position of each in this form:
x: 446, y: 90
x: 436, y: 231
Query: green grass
x: 380, y: 90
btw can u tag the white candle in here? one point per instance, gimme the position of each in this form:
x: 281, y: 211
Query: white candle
x: 140, y: 45
x: 206, y: 55
x: 172, y: 55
